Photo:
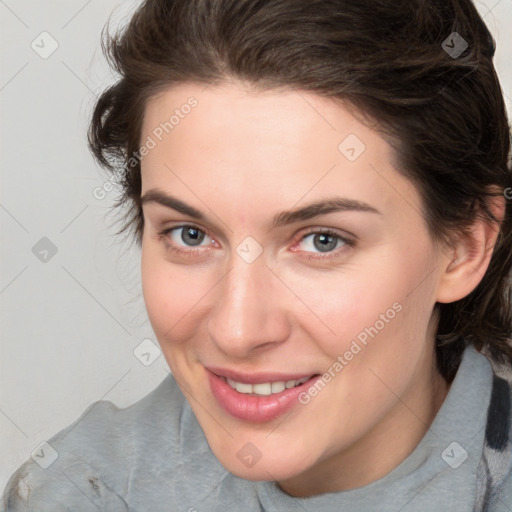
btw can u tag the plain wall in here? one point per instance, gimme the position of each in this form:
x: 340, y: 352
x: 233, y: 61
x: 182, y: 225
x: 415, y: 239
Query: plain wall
x: 72, y: 312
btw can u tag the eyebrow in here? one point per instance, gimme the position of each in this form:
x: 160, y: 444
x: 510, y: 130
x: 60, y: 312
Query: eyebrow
x: 323, y: 207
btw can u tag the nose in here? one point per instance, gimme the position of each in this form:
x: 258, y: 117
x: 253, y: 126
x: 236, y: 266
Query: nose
x: 249, y: 312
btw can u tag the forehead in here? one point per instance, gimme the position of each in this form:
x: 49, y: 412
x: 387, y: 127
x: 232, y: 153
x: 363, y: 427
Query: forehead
x: 234, y: 141
x: 293, y: 115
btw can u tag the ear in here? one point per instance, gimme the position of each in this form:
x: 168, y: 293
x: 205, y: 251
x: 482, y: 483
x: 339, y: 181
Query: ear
x: 466, y: 260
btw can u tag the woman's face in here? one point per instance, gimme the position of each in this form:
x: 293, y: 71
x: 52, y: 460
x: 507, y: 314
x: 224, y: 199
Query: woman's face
x: 252, y: 288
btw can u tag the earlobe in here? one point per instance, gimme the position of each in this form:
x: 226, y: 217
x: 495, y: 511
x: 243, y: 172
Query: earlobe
x: 467, y: 259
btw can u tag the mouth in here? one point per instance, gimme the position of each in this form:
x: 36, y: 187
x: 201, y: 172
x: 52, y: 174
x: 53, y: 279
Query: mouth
x: 258, y: 398
x: 265, y: 388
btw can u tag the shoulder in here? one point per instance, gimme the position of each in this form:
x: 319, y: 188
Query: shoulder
x: 87, y: 465
x: 497, y: 456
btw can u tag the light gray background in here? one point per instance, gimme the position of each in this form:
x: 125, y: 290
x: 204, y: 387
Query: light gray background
x: 72, y: 323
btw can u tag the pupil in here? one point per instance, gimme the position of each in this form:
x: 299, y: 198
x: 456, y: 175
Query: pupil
x: 192, y: 236
x: 324, y: 247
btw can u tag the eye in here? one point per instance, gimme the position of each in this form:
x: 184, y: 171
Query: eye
x: 320, y: 244
x: 185, y: 239
x: 326, y: 242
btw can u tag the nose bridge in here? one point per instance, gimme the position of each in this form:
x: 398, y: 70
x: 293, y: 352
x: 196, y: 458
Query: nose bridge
x: 247, y: 311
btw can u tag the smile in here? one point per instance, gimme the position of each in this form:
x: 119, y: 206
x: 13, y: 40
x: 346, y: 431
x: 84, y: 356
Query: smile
x: 265, y: 388
x: 257, y: 399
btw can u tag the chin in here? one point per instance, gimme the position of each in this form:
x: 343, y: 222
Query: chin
x: 275, y: 468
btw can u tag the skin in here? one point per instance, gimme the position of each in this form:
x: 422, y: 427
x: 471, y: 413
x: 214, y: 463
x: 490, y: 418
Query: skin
x: 242, y: 156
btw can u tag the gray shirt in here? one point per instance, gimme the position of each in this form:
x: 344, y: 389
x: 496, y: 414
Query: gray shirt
x: 153, y: 456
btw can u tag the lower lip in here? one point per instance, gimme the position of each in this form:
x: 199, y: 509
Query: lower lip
x: 252, y: 408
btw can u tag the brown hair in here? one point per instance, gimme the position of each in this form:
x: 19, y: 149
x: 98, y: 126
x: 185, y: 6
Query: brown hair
x: 390, y: 59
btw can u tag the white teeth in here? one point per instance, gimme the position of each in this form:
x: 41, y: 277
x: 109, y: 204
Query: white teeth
x: 262, y: 389
x: 277, y: 387
x: 240, y: 386
x: 265, y: 388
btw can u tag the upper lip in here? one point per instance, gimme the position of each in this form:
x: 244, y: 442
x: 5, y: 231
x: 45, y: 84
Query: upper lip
x: 257, y: 378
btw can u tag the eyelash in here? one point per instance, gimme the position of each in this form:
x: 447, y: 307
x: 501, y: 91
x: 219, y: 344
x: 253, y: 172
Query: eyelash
x: 315, y: 256
x: 335, y: 253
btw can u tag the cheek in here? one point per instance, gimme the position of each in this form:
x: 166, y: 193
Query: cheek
x: 387, y: 299
x: 172, y: 296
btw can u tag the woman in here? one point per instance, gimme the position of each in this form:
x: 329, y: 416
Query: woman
x: 321, y: 194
